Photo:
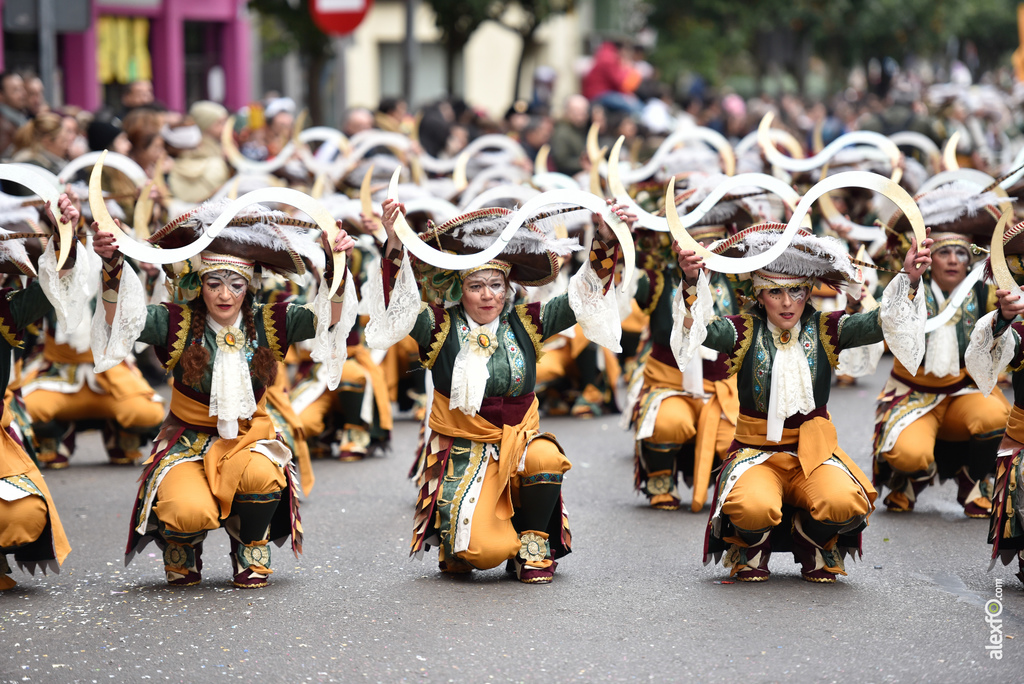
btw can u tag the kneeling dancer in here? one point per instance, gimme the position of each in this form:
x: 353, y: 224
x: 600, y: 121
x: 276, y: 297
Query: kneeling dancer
x: 218, y: 460
x: 490, y: 489
x: 786, y: 484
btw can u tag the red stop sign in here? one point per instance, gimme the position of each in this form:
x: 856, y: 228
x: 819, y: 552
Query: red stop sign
x: 339, y: 17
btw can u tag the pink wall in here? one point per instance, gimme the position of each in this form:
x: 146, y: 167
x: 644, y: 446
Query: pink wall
x: 167, y: 50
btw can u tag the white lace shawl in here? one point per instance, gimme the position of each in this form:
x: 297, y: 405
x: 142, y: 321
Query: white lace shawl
x: 69, y: 294
x: 596, y: 311
x: 685, y: 342
x: 903, y: 321
x: 942, y: 355
x: 330, y: 346
x: 111, y: 344
x: 389, y: 325
x: 987, y: 355
x: 792, y: 388
x: 469, y: 373
x: 231, y: 395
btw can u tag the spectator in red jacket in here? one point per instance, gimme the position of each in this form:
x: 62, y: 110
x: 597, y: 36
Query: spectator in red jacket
x: 611, y: 80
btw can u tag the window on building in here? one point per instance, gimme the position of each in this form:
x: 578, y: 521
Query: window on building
x: 429, y: 79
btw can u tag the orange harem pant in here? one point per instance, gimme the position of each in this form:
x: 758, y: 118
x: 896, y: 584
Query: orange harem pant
x: 955, y: 419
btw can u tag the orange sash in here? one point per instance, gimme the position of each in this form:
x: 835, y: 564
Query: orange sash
x: 1015, y: 424
x: 816, y: 441
x: 511, y: 438
x: 381, y: 395
x: 278, y: 397
x: 226, y: 459
x: 14, y: 461
x: 724, y: 400
x: 120, y: 382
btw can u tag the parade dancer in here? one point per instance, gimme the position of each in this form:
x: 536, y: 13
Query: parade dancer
x: 30, y: 528
x: 217, y: 461
x: 996, y: 345
x: 490, y: 490
x: 935, y: 421
x: 787, y: 485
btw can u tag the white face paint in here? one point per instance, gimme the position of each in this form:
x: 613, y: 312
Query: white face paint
x: 483, y: 295
x: 224, y: 293
x: 234, y: 283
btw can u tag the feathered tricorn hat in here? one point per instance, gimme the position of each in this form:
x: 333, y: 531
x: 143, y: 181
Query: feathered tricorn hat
x: 530, y: 258
x: 955, y: 208
x: 807, y: 260
x: 266, y: 238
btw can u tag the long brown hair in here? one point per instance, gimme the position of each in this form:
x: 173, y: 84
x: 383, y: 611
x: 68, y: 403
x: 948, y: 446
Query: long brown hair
x: 196, y: 358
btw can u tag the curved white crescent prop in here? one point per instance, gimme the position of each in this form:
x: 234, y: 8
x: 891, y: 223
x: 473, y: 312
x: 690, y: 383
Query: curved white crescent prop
x: 498, y: 173
x: 860, y: 179
x: 661, y: 223
x: 29, y: 177
x: 322, y: 134
x: 512, y: 191
x: 776, y: 158
x: 1017, y: 167
x: 154, y: 255
x: 366, y: 205
x: 956, y: 298
x: 595, y: 154
x: 949, y: 152
x: 874, y: 235
x: 679, y: 136
x: 779, y: 136
x: 921, y: 142
x: 460, y: 262
x: 248, y: 166
x: 126, y: 165
x: 979, y: 178
x: 1000, y: 271
x: 553, y: 180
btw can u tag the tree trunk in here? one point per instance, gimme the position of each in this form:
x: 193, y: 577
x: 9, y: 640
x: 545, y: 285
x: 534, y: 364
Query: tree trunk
x: 449, y: 69
x: 314, y: 95
x: 527, y: 47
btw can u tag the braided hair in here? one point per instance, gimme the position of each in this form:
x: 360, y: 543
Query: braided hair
x: 196, y: 358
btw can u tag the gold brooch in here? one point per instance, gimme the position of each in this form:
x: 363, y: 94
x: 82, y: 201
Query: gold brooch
x: 785, y: 336
x: 230, y: 339
x: 482, y: 342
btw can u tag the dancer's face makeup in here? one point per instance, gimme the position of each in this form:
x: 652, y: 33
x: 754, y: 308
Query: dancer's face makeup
x: 224, y: 293
x: 483, y: 295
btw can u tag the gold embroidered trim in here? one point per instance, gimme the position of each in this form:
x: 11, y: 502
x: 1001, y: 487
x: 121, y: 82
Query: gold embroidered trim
x: 178, y: 347
x: 473, y: 470
x: 439, y: 338
x: 826, y: 339
x: 270, y: 330
x: 9, y: 335
x: 531, y: 330
x: 740, y: 351
x: 659, y: 288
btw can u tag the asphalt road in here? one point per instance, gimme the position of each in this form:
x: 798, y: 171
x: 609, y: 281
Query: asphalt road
x: 632, y: 602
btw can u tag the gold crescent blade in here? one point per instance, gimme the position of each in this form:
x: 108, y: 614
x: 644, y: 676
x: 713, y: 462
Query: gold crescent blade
x: 540, y: 164
x: 949, y: 152
x: 675, y: 225
x: 459, y: 174
x: 595, y: 173
x: 143, y: 210
x: 319, y: 185
x: 593, y: 148
x: 366, y: 204
x: 1000, y: 271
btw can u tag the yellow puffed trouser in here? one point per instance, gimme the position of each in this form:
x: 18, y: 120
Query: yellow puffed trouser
x: 677, y: 424
x: 313, y: 417
x: 185, y: 504
x: 129, y: 412
x: 830, y: 495
x: 542, y: 456
x: 955, y: 419
x: 23, y: 521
